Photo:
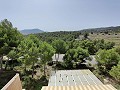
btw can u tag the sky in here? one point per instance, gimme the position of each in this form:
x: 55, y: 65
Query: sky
x: 60, y: 15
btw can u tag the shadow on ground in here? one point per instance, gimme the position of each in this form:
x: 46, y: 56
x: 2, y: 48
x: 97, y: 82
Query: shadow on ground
x: 6, y: 76
x: 34, y: 84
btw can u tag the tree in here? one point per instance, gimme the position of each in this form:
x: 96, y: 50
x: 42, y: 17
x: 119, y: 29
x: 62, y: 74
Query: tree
x: 86, y: 44
x: 117, y: 49
x: 70, y: 57
x: 23, y: 52
x: 115, y: 72
x: 86, y: 35
x: 46, y: 52
x: 12, y: 55
x: 29, y: 52
x: 109, y: 45
x: 89, y: 45
x: 70, y: 44
x: 107, y: 59
x: 99, y: 44
x: 75, y: 56
x: 9, y: 37
x: 33, y: 57
x: 60, y: 48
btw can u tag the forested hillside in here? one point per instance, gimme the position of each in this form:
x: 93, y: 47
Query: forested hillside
x: 72, y: 35
x: 103, y: 29
x: 64, y: 35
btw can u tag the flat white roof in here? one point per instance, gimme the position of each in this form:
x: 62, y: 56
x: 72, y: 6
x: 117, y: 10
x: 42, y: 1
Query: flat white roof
x: 73, y: 78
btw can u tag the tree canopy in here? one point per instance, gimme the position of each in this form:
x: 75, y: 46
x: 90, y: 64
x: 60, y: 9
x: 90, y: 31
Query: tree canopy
x: 75, y: 56
x: 107, y: 59
x: 46, y: 53
x: 10, y: 38
x: 115, y: 72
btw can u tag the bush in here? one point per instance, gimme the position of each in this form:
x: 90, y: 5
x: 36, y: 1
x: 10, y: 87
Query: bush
x: 115, y: 72
x: 75, y: 56
x: 107, y: 59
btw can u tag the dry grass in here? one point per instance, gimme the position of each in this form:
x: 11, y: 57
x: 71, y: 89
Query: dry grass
x: 109, y: 38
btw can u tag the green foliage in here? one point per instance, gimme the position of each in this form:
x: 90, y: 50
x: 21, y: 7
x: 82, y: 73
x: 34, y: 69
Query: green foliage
x: 86, y: 35
x: 46, y: 53
x: 86, y: 44
x: 69, y: 56
x: 89, y: 45
x: 24, y: 50
x: 9, y: 37
x: 60, y: 46
x: 117, y: 49
x: 34, y: 84
x: 99, y: 44
x: 63, y: 35
x: 29, y: 52
x: 26, y: 82
x: 75, y: 56
x: 12, y: 54
x: 107, y: 59
x: 70, y: 44
x: 30, y: 49
x: 82, y: 53
x: 115, y: 72
x: 109, y: 45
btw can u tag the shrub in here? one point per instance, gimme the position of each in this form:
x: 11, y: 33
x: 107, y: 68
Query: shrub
x: 115, y: 72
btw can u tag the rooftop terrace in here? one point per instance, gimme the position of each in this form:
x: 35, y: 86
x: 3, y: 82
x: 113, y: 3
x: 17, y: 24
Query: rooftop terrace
x: 72, y: 78
x: 75, y: 80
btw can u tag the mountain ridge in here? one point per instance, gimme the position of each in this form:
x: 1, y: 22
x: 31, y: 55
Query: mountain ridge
x: 102, y: 29
x: 31, y: 31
